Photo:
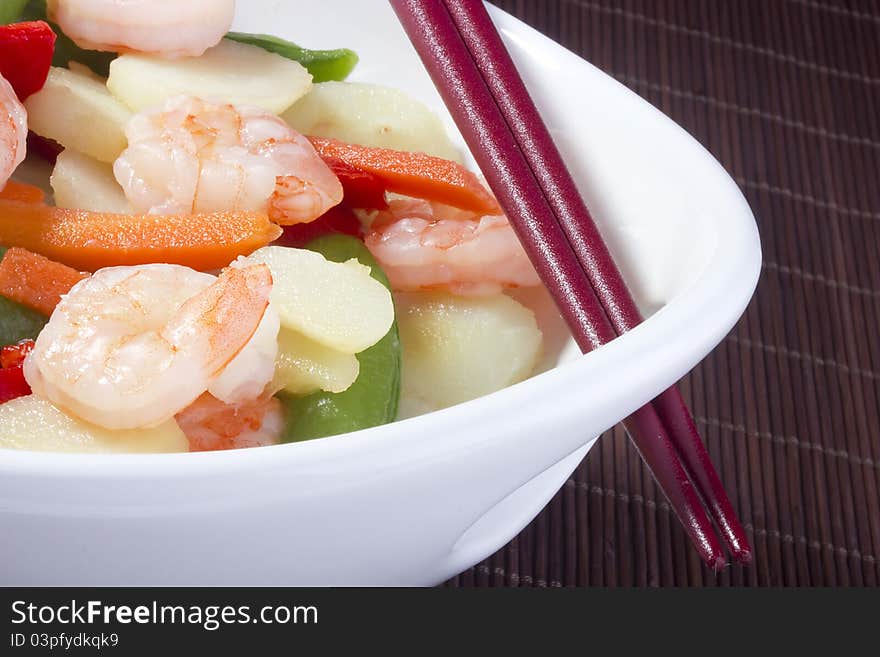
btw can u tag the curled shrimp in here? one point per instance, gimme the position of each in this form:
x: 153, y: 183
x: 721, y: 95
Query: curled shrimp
x: 192, y: 155
x: 131, y: 347
x: 13, y: 131
x: 423, y: 245
x: 210, y: 424
x: 167, y: 27
x: 246, y: 375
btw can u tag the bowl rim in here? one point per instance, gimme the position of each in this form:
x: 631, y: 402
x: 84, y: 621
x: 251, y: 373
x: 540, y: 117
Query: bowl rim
x: 721, y: 291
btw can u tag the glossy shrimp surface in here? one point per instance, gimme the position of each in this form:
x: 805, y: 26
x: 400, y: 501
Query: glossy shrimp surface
x: 131, y: 347
x: 210, y: 424
x: 13, y: 131
x: 246, y: 375
x: 172, y: 28
x: 192, y: 155
x: 423, y: 246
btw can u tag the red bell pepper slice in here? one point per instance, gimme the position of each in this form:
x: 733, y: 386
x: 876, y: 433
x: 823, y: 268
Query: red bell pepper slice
x: 12, y: 381
x: 26, y: 51
x: 339, y: 219
x: 13, y: 384
x: 360, y: 188
x: 13, y: 355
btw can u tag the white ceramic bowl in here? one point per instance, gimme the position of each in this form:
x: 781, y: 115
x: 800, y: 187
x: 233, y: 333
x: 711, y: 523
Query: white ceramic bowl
x: 419, y: 500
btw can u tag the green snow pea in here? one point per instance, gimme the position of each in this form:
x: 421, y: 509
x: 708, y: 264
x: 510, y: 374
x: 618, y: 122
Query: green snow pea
x: 372, y: 398
x: 11, y: 10
x: 18, y: 322
x: 324, y: 65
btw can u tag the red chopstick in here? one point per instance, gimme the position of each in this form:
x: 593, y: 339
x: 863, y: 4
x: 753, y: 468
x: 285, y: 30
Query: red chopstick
x: 453, y: 69
x: 523, y: 119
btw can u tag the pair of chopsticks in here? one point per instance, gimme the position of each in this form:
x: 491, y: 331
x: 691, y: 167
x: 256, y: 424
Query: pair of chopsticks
x: 480, y: 85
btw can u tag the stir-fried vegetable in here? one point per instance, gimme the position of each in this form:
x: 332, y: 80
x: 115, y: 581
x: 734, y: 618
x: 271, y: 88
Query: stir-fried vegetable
x: 371, y: 115
x: 33, y: 423
x: 91, y: 240
x: 14, y: 354
x: 361, y: 189
x: 84, y: 183
x: 232, y: 72
x: 25, y: 55
x: 11, y: 10
x: 458, y: 348
x: 13, y: 384
x: 337, y: 304
x: 16, y: 191
x: 12, y: 381
x: 324, y: 65
x: 338, y: 219
x: 333, y: 374
x: 304, y: 366
x: 76, y: 110
x: 372, y: 399
x: 35, y: 281
x: 414, y: 174
x: 18, y: 322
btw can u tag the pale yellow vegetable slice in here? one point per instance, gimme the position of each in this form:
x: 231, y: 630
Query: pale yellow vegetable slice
x: 304, y: 366
x: 81, y: 182
x: 459, y: 348
x: 338, y: 305
x: 31, y: 423
x: 82, y: 69
x: 371, y: 115
x: 229, y: 72
x: 76, y: 110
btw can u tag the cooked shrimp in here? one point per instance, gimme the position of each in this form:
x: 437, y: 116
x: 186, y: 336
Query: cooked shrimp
x: 13, y: 131
x: 421, y: 245
x: 209, y: 424
x: 166, y: 27
x: 196, y: 156
x: 131, y: 347
x: 248, y: 373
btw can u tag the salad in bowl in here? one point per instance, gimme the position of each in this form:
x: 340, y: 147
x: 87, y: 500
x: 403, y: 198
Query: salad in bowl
x: 240, y: 248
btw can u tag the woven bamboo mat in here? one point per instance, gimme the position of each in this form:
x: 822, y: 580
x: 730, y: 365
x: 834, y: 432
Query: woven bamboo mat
x: 786, y: 94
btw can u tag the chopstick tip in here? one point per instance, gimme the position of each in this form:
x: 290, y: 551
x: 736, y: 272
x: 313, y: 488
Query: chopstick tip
x: 743, y: 555
x: 718, y: 563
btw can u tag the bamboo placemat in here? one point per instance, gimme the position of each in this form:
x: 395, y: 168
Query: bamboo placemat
x: 786, y: 94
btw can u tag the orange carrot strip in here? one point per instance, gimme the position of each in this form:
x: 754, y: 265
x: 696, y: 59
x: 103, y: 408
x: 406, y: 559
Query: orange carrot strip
x: 91, y: 240
x: 16, y: 191
x: 35, y: 281
x: 414, y: 174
